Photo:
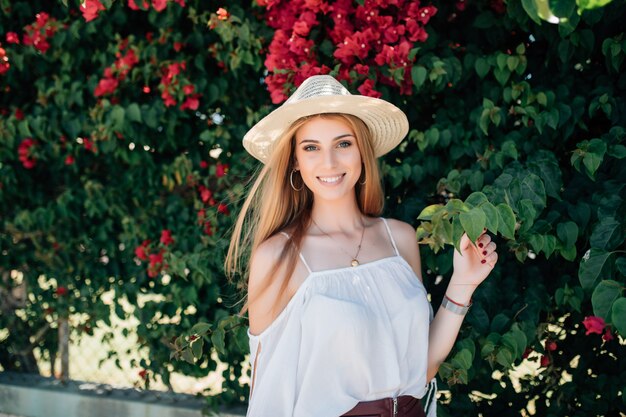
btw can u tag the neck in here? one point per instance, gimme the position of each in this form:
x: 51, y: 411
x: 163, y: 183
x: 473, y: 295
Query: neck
x: 343, y: 217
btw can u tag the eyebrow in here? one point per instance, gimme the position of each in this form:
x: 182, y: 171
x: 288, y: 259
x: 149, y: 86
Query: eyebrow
x: 334, y: 139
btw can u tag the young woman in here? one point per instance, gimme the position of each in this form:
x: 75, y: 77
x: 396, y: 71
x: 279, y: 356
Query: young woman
x: 340, y: 323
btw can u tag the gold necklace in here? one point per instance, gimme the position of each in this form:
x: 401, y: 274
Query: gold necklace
x: 355, y: 261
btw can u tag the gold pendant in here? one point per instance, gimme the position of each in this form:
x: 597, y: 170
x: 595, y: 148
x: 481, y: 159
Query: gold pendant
x: 354, y: 263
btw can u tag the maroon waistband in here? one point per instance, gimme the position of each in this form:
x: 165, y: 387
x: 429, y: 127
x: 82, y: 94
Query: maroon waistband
x: 406, y: 406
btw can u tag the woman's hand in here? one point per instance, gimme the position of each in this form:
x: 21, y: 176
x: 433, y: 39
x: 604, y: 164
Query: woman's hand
x: 475, y: 262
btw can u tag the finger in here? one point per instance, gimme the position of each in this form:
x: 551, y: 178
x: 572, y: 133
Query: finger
x: 483, y: 241
x: 492, y: 259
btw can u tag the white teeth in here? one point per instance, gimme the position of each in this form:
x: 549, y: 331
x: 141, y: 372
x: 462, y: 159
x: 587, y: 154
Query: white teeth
x: 330, y: 179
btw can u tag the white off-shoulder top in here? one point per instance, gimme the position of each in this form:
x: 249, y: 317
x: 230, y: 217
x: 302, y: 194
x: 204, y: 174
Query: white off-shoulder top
x: 347, y: 335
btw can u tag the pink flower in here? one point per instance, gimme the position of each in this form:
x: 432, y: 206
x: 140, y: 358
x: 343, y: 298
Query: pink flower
x: 25, y: 154
x: 168, y: 100
x: 90, y: 9
x: 607, y: 335
x: 221, y: 169
x: 551, y: 345
x: 222, y: 14
x: 545, y: 360
x: 140, y: 251
x: 191, y: 103
x: 69, y: 160
x: 367, y: 89
x: 223, y: 208
x: 12, y: 37
x: 106, y: 86
x: 166, y: 237
x: 594, y: 324
x: 132, y: 5
x: 159, y: 5
x: 205, y: 193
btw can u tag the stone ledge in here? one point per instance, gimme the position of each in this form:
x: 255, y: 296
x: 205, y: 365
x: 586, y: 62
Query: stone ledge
x: 35, y: 396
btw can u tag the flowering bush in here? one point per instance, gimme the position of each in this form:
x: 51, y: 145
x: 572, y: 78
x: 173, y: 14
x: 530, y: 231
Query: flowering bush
x: 121, y: 162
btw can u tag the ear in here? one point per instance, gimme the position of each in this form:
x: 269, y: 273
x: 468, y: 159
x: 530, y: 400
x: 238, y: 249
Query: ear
x: 296, y: 165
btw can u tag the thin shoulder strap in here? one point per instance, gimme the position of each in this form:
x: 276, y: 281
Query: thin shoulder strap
x: 393, y: 242
x: 299, y: 254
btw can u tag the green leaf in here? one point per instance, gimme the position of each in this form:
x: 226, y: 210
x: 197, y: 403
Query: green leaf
x: 473, y: 222
x: 196, y: 348
x: 591, y: 266
x: 418, y: 75
x: 506, y: 220
x: 217, y: 338
x: 117, y: 118
x: 603, y: 297
x: 593, y: 156
x: 618, y: 315
x: 505, y: 357
x: 134, y: 113
x: 608, y: 234
x: 567, y: 233
x: 617, y: 151
x: 430, y: 211
x: 476, y: 198
x: 491, y: 216
x: 620, y: 264
x: 201, y: 328
x: 482, y: 67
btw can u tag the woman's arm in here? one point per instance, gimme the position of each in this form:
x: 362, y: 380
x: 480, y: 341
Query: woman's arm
x: 468, y: 273
x: 471, y: 267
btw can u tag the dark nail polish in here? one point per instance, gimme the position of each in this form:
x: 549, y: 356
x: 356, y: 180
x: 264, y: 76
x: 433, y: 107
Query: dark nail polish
x: 483, y: 261
x: 484, y: 252
x: 480, y: 245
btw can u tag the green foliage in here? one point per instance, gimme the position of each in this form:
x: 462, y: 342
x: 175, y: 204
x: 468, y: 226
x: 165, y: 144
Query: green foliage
x: 517, y: 126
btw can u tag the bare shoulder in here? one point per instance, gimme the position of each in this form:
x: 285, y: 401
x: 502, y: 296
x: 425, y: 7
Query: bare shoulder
x: 263, y: 287
x: 404, y: 235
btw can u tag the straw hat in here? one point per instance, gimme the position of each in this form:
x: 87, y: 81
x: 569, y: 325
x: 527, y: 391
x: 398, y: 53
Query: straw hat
x: 388, y: 125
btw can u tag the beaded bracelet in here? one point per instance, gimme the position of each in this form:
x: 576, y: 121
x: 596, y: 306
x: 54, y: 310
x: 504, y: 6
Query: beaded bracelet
x: 454, y: 307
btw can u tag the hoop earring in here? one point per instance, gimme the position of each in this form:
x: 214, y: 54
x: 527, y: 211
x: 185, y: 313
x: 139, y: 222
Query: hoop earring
x: 291, y: 181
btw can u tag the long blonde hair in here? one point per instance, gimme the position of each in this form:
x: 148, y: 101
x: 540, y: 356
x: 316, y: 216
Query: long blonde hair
x: 273, y: 205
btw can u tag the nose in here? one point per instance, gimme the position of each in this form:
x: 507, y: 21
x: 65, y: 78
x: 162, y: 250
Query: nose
x: 330, y: 159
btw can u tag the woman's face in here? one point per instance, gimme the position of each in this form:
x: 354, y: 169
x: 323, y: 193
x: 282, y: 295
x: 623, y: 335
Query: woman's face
x: 328, y: 158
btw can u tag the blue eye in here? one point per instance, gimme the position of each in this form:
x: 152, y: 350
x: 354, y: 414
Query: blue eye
x: 345, y: 144
x: 309, y: 148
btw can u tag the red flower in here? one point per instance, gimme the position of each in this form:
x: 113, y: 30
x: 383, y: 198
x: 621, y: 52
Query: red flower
x: 207, y: 229
x: 203, y: 164
x: 189, y: 89
x: 19, y: 114
x: 143, y: 374
x: 24, y: 153
x: 61, y: 291
x: 527, y: 352
x: 193, y: 337
x: 159, y: 5
x: 222, y: 14
x: 133, y: 5
x: 223, y: 208
x: 166, y: 237
x: 545, y: 360
x: 168, y: 100
x: 201, y: 215
x: 69, y: 160
x: 221, y: 169
x: 607, y: 335
x: 140, y: 251
x: 594, y: 324
x: 191, y: 103
x: 180, y: 2
x: 178, y: 46
x: 156, y: 264
x: 106, y: 86
x: 88, y: 145
x: 12, y: 37
x: 367, y: 89
x: 205, y: 193
x: 551, y: 345
x: 146, y: 89
x: 90, y: 9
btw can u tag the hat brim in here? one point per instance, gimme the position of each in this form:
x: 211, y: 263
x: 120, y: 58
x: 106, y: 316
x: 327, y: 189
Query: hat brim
x: 388, y: 124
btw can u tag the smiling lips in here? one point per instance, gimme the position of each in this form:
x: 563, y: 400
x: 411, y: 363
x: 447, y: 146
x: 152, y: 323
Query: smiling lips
x: 331, y: 180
